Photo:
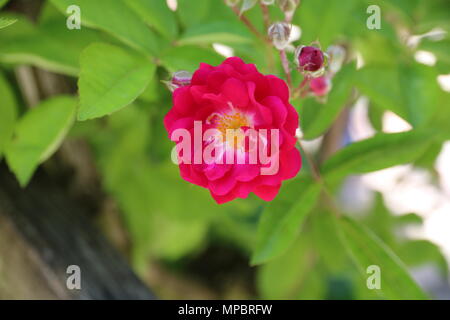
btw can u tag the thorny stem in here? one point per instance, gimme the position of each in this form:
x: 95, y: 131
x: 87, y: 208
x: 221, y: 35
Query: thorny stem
x: 249, y: 24
x: 266, y: 15
x: 318, y: 178
x: 254, y: 30
x: 288, y: 16
x: 270, y: 62
x: 287, y: 71
x: 299, y: 91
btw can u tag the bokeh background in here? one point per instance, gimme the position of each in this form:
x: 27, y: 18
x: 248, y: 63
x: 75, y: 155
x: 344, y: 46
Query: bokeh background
x: 174, y: 236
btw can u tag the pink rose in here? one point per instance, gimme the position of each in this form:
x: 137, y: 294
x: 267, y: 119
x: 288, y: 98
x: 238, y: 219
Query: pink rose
x: 234, y: 97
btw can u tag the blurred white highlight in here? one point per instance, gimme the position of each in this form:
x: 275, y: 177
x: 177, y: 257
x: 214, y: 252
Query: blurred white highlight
x: 425, y: 57
x: 223, y: 50
x: 296, y: 33
x: 359, y: 124
x: 172, y: 4
x: 435, y: 34
x: 444, y: 82
x: 393, y: 123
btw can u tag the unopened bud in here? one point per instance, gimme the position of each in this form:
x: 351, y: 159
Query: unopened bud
x: 310, y: 59
x: 336, y: 57
x: 267, y: 2
x: 279, y: 34
x: 179, y: 79
x: 320, y: 86
x: 288, y: 7
x: 182, y: 78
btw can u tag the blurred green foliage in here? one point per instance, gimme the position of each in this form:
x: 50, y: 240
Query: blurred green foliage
x: 124, y: 50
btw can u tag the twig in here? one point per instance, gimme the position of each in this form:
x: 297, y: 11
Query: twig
x: 27, y: 85
x: 249, y: 24
x: 328, y: 197
x: 265, y: 14
x: 333, y: 138
x: 287, y: 71
x: 263, y: 38
x: 299, y: 91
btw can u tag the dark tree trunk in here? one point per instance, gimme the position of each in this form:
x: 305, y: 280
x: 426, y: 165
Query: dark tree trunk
x: 43, y: 231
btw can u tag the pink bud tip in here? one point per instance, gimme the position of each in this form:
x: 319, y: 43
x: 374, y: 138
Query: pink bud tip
x: 320, y: 86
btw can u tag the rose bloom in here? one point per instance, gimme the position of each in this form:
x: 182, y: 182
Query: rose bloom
x: 235, y: 96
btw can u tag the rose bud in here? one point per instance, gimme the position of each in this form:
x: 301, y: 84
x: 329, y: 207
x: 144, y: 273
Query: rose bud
x: 267, y: 2
x: 179, y: 79
x: 337, y: 57
x: 320, y: 86
x: 279, y: 34
x: 288, y: 7
x: 309, y: 58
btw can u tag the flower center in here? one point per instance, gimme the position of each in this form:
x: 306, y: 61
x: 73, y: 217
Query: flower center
x: 232, y: 127
x: 232, y: 121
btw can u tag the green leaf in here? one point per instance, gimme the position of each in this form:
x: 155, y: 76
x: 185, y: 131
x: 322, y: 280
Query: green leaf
x: 8, y: 113
x: 441, y: 49
x: 151, y: 93
x: 282, y: 219
x: 110, y: 79
x: 381, y: 84
x: 189, y: 58
x: 116, y: 18
x: 367, y: 249
x: 326, y: 241
x: 430, y: 14
x: 3, y: 2
x: 247, y: 5
x: 39, y: 134
x: 421, y: 92
x: 416, y: 253
x: 317, y: 117
x: 334, y: 17
x: 156, y: 14
x: 381, y: 151
x: 48, y: 46
x: 175, y: 238
x: 408, y: 89
x: 145, y: 191
x: 289, y: 275
x: 219, y: 31
x: 375, y: 117
x: 369, y: 43
x: 4, y: 22
x: 154, y: 230
x: 193, y: 14
x: 408, y: 219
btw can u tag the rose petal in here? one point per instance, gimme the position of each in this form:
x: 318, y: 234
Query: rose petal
x: 235, y: 91
x: 267, y: 193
